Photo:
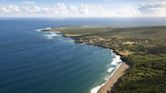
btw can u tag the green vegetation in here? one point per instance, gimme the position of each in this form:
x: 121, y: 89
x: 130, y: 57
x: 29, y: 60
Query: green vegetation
x: 143, y: 48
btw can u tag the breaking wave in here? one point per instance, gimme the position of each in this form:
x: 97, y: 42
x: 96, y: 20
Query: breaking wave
x: 115, y: 62
x: 52, y: 35
x: 39, y: 30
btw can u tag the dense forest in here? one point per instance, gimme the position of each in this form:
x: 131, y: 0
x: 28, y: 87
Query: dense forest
x: 147, y: 74
x: 143, y: 48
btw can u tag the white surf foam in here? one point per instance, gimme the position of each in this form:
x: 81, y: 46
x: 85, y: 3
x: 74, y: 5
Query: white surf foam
x: 110, y: 70
x: 52, y: 35
x: 117, y: 62
x: 96, y: 89
x: 49, y: 34
x: 39, y: 30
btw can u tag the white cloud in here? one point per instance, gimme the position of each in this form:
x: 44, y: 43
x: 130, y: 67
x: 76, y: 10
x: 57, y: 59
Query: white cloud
x: 58, y: 10
x: 127, y: 11
x: 153, y: 9
x: 83, y: 10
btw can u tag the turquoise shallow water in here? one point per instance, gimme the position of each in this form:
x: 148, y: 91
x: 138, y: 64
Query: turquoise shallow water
x: 44, y: 62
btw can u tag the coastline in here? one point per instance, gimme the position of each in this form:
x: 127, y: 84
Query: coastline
x: 114, y: 77
x: 118, y: 72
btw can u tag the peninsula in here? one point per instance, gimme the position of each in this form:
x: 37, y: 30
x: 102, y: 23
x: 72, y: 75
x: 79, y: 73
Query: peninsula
x: 141, y: 48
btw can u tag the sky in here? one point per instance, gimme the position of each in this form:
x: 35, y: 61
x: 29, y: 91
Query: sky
x: 82, y: 8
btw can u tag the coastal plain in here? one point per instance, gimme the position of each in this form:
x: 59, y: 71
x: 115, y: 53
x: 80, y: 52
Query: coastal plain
x: 142, y: 48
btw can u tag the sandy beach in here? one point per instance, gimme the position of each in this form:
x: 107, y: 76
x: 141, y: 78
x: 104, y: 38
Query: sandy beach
x: 120, y: 71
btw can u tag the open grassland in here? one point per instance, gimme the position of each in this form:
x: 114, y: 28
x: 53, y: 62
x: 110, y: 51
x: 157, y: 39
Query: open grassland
x: 143, y: 48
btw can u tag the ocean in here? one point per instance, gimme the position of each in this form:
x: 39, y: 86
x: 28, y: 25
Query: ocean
x: 45, y: 62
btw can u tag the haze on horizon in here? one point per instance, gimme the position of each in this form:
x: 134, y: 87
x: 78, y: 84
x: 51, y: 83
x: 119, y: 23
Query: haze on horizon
x: 82, y: 8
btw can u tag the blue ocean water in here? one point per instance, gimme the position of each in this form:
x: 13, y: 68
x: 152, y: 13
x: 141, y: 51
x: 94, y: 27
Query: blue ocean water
x: 44, y: 62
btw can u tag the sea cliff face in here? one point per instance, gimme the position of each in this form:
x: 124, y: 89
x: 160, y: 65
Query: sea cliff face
x: 143, y: 48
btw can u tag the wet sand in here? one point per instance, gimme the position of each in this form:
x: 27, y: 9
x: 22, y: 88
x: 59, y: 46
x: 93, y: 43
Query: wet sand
x: 119, y: 73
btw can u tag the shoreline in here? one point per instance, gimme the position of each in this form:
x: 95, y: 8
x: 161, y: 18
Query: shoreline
x: 115, y: 75
x: 113, y: 79
x: 116, y: 61
x: 142, y: 48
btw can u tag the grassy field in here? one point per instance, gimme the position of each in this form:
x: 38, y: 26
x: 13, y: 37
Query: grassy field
x: 143, y: 48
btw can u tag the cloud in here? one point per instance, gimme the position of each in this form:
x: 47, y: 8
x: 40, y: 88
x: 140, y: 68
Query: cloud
x: 127, y: 11
x: 153, y: 9
x: 85, y: 10
x: 58, y: 10
x: 28, y: 2
x: 10, y: 9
